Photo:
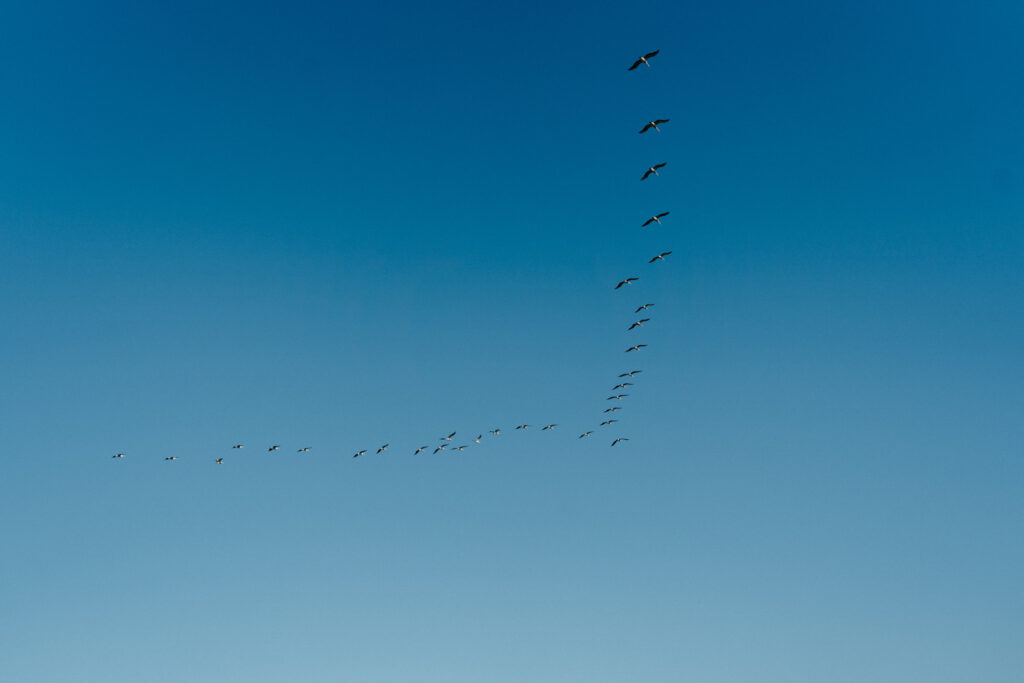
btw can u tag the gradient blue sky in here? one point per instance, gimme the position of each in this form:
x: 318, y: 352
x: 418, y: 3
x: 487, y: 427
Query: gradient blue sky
x: 339, y: 225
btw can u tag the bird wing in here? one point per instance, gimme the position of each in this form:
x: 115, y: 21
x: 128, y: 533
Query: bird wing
x: 646, y: 128
x: 662, y: 164
x: 620, y: 284
x: 651, y: 54
x: 662, y: 215
x: 658, y: 121
x: 647, y: 222
x: 635, y: 64
x: 646, y: 173
x: 654, y: 259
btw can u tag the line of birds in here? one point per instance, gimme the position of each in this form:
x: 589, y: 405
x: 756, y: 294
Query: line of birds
x: 653, y: 124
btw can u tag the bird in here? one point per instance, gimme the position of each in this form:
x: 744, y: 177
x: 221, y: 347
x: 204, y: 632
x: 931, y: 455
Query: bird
x: 546, y: 427
x: 635, y: 348
x: 621, y: 438
x: 420, y: 450
x: 460, y: 448
x: 238, y: 445
x: 612, y: 409
x: 653, y: 124
x: 495, y: 431
x: 639, y: 323
x: 448, y: 438
x: 382, y: 449
x: 622, y: 385
x: 660, y: 257
x: 617, y: 397
x: 273, y: 448
x: 218, y: 461
x: 653, y: 169
x: 173, y: 457
x: 655, y: 219
x: 585, y: 434
x: 608, y: 422
x: 362, y: 452
x: 627, y: 281
x: 522, y: 426
x: 643, y: 60
x: 478, y: 437
x: 630, y: 373
x: 643, y: 308
x: 304, y: 449
x: 440, y: 448
x: 117, y: 455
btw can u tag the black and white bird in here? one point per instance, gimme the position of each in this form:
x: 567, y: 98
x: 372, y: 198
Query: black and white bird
x: 173, y: 457
x: 218, y: 461
x: 478, y: 437
x: 617, y: 397
x: 522, y: 426
x: 448, y: 438
x: 627, y: 281
x: 495, y: 431
x: 440, y: 448
x: 460, y: 448
x: 622, y: 385
x: 382, y: 449
x: 655, y: 219
x: 643, y: 308
x: 273, y: 448
x: 660, y: 257
x: 304, y: 449
x: 546, y: 427
x: 635, y: 348
x: 643, y: 60
x: 585, y: 434
x: 362, y: 452
x: 653, y: 169
x: 630, y: 373
x: 612, y: 409
x: 639, y: 323
x: 608, y: 422
x: 621, y: 438
x: 117, y: 455
x: 653, y: 124
x: 238, y: 445
x: 420, y: 450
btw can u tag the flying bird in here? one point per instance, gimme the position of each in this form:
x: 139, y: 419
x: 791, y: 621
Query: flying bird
x: 621, y: 438
x: 660, y: 257
x: 304, y: 449
x: 495, y: 431
x: 635, y: 348
x: 630, y: 373
x: 478, y: 437
x: 643, y: 60
x: 238, y: 445
x: 362, y: 452
x: 545, y: 427
x: 117, y: 455
x: 612, y: 409
x: 173, y: 457
x: 623, y: 385
x: 608, y: 422
x: 653, y: 169
x: 440, y: 448
x: 643, y: 308
x: 420, y: 450
x: 382, y: 449
x: 653, y: 124
x: 448, y: 438
x: 460, y: 448
x: 218, y: 461
x: 655, y: 219
x: 639, y: 323
x: 585, y: 434
x: 627, y: 281
x: 617, y: 397
x: 522, y: 426
x: 273, y: 448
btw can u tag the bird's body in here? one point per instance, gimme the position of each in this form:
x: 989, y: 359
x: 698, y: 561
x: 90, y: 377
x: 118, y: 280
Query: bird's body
x: 440, y: 448
x: 273, y: 448
x: 478, y: 437
x: 238, y: 445
x: 547, y: 427
x: 612, y: 409
x: 304, y: 449
x: 620, y: 439
x: 653, y: 124
x: 635, y: 348
x: 585, y: 434
x: 448, y: 438
x: 630, y: 373
x: 653, y: 169
x: 608, y: 422
x: 660, y: 257
x: 362, y: 452
x: 522, y: 426
x: 117, y: 455
x: 627, y: 281
x: 460, y: 448
x: 617, y: 397
x: 655, y: 219
x: 643, y: 308
x: 622, y: 385
x: 218, y: 461
x: 643, y: 60
x: 420, y: 450
x: 495, y: 431
x: 173, y: 457
x: 382, y: 449
x: 639, y: 323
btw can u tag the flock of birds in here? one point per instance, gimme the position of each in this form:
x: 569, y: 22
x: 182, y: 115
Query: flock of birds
x: 446, y: 441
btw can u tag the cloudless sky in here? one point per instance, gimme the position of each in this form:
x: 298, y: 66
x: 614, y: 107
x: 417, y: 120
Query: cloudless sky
x: 340, y: 225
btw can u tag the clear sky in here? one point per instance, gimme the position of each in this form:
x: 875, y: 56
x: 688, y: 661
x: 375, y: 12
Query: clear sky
x: 343, y: 224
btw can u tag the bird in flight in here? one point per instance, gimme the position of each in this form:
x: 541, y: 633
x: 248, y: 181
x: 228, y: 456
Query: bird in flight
x: 218, y: 461
x: 478, y: 437
x: 635, y: 348
x: 273, y: 448
x: 621, y: 438
x: 638, y: 323
x: 660, y: 257
x: 460, y: 448
x: 630, y: 373
x: 117, y: 455
x: 173, y: 457
x: 623, y: 385
x: 655, y: 219
x: 304, y: 449
x: 612, y: 409
x: 546, y: 427
x: 448, y: 438
x: 643, y: 60
x: 362, y: 452
x: 608, y: 422
x: 653, y: 169
x: 585, y: 434
x: 382, y: 449
x: 653, y: 124
x: 617, y: 397
x: 238, y: 445
x: 440, y: 448
x: 420, y: 450
x: 627, y: 281
x: 495, y: 431
x: 522, y: 426
x: 643, y: 308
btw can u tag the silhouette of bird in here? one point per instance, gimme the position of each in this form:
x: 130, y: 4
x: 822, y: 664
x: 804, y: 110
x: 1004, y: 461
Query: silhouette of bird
x: 448, y: 438
x: 635, y: 348
x: 660, y: 257
x: 622, y: 385
x: 420, y: 450
x: 218, y: 461
x: 478, y: 437
x: 653, y: 169
x: 441, y: 448
x: 627, y: 281
x: 655, y: 219
x: 495, y: 431
x: 546, y: 427
x: 460, y: 448
x: 643, y: 308
x: 238, y: 445
x: 617, y: 397
x: 621, y: 438
x: 117, y: 455
x: 608, y: 422
x: 362, y: 452
x: 639, y: 323
x: 653, y: 124
x: 643, y: 60
x: 522, y: 426
x: 612, y: 409
x: 304, y: 449
x: 382, y: 449
x: 585, y: 434
x: 173, y: 457
x: 630, y: 373
x: 273, y: 448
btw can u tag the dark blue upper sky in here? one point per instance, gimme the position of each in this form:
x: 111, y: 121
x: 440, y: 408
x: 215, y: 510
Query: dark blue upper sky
x: 340, y: 225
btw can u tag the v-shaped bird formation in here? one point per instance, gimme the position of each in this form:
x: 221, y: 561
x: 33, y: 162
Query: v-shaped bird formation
x: 445, y: 442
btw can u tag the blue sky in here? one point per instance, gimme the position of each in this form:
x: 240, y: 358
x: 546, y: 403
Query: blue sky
x: 338, y: 226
